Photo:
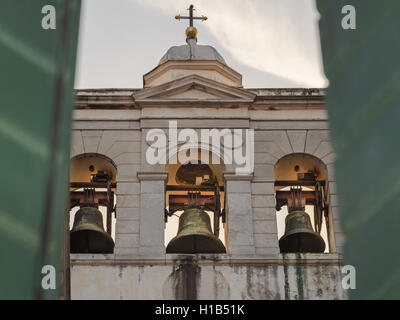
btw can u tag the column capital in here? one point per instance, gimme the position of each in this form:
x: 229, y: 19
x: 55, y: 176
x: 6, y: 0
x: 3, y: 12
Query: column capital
x: 231, y: 176
x: 152, y: 176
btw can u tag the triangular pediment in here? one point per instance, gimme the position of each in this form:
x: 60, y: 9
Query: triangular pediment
x: 193, y: 88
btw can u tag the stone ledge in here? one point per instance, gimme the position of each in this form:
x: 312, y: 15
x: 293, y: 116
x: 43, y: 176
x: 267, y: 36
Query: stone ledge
x: 210, y: 259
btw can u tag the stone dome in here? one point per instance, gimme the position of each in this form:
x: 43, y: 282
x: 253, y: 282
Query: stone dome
x: 192, y: 51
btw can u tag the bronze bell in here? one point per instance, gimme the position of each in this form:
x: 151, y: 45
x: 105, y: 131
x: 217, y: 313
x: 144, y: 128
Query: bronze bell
x: 299, y: 235
x: 195, y: 235
x: 88, y: 235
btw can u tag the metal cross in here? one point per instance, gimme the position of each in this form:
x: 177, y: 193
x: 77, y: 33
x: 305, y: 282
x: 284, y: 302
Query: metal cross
x: 191, y: 18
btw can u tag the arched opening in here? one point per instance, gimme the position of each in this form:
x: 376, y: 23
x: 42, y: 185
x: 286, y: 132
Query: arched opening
x: 195, y: 184
x: 92, y: 204
x: 300, y: 185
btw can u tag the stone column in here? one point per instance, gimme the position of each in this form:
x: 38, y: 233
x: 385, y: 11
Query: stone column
x: 152, y: 207
x: 127, y: 224
x: 239, y: 214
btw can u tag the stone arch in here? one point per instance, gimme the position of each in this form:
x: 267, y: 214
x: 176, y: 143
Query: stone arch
x: 272, y: 145
x: 82, y: 166
x: 283, y: 142
x: 284, y: 169
x: 285, y: 166
x: 217, y: 169
x: 79, y: 166
x: 121, y: 146
x: 207, y: 148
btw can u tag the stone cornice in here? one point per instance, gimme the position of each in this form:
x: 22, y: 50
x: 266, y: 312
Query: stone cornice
x: 265, y: 99
x: 288, y: 92
x: 104, y: 98
x: 210, y: 259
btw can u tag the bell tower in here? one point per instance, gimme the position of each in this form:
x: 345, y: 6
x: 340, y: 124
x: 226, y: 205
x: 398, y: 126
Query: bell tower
x: 198, y: 188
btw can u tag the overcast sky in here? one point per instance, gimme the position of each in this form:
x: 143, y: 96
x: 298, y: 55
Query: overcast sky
x: 271, y: 43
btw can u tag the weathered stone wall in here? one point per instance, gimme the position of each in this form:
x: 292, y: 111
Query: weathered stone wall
x: 253, y: 267
x: 312, y: 276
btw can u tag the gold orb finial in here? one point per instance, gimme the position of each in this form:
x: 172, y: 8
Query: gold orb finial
x: 191, y: 32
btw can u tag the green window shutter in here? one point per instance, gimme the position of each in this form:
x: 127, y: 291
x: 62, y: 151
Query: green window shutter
x: 36, y: 101
x: 363, y: 101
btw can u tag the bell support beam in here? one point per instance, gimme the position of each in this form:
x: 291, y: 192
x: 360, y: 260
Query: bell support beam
x: 100, y: 197
x: 283, y: 196
x: 181, y: 202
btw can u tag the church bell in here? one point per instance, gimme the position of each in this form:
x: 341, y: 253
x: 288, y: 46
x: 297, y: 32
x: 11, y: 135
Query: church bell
x: 299, y: 235
x: 195, y: 235
x: 88, y: 235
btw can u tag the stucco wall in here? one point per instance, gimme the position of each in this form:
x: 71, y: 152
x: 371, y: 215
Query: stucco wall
x: 290, y: 276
